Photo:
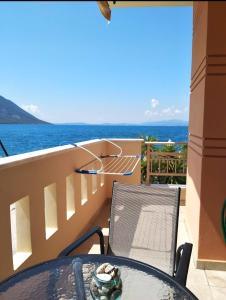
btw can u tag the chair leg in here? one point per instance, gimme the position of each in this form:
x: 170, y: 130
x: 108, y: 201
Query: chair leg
x: 182, y: 263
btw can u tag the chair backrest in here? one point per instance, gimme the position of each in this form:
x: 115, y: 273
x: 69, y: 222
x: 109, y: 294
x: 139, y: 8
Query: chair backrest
x: 144, y: 223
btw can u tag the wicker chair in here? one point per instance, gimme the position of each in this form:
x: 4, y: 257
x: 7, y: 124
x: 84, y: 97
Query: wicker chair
x: 143, y: 226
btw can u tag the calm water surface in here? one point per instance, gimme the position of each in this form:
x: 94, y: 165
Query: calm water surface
x: 25, y: 138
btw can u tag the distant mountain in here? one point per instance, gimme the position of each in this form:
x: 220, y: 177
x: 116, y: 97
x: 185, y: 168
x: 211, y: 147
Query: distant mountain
x: 157, y: 123
x: 73, y: 123
x: 166, y: 123
x: 10, y: 113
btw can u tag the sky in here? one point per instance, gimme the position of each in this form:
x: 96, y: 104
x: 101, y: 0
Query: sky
x: 63, y: 62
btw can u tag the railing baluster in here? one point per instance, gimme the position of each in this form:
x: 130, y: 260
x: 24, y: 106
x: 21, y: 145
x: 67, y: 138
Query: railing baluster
x: 173, y: 163
x: 150, y: 151
x: 148, y: 164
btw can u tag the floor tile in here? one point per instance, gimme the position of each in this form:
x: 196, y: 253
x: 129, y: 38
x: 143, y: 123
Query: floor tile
x: 218, y: 293
x: 197, y: 277
x: 205, y: 284
x: 216, y: 278
x: 202, y: 292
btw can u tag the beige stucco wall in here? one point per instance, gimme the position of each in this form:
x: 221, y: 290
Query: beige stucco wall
x: 28, y: 175
x: 206, y: 189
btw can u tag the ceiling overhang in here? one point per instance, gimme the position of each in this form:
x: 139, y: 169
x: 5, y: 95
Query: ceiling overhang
x: 119, y: 4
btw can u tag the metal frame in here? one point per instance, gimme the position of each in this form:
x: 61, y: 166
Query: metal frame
x: 96, y: 258
x: 177, y: 222
x: 109, y: 251
x: 181, y: 256
x: 100, y: 159
x: 182, y: 263
x: 85, y: 237
x: 4, y: 149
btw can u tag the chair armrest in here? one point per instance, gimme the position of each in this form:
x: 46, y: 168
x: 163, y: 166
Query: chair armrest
x: 183, y: 256
x: 82, y: 239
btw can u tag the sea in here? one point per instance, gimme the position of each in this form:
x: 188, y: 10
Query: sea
x: 19, y: 139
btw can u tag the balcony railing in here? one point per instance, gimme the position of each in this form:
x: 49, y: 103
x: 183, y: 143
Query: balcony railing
x: 45, y: 205
x: 164, y: 159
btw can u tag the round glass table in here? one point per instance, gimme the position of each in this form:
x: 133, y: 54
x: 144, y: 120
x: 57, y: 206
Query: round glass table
x: 70, y: 277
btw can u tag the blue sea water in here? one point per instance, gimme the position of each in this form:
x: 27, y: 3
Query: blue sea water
x: 25, y: 138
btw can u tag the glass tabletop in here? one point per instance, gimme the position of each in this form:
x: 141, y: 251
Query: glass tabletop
x: 70, y: 277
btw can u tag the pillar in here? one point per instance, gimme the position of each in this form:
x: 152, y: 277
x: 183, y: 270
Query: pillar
x: 206, y: 177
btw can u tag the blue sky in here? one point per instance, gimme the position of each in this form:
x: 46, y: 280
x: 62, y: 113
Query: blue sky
x: 62, y: 62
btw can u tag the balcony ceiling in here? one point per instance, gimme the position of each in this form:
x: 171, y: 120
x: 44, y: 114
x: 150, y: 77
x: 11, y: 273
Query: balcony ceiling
x: 149, y: 3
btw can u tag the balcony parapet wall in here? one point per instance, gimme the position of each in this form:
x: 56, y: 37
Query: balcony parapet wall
x: 45, y: 205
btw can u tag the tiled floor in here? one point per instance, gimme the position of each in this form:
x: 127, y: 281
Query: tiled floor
x: 205, y: 284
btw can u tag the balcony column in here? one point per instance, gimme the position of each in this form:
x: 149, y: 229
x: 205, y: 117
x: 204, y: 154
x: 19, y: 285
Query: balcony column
x: 206, y: 177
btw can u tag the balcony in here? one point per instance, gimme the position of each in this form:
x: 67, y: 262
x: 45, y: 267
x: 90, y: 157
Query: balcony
x: 45, y: 205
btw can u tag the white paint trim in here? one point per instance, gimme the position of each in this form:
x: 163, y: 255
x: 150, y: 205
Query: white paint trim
x: 16, y: 160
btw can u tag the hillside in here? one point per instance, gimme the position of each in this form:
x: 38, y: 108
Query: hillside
x: 167, y: 123
x: 10, y: 113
